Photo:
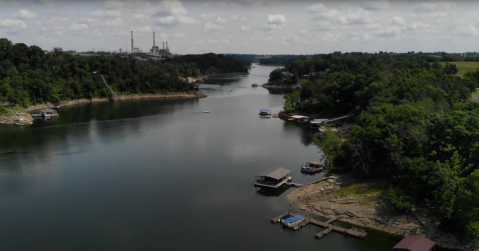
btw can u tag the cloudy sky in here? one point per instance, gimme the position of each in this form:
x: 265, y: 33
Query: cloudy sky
x: 244, y: 26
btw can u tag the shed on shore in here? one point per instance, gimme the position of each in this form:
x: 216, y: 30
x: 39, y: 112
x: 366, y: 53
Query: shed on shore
x: 415, y: 243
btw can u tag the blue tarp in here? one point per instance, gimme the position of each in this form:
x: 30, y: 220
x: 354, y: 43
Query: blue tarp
x: 293, y: 219
x: 263, y: 110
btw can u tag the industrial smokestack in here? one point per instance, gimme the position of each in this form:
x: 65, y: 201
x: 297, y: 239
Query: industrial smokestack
x: 153, y: 40
x: 167, y: 45
x: 131, y: 41
x: 163, y: 45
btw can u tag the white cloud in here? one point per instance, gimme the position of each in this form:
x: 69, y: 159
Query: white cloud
x: 13, y: 24
x: 142, y: 29
x: 186, y: 20
x: 41, y: 39
x: 434, y: 6
x: 390, y: 31
x: 375, y: 5
x: 275, y: 22
x: 291, y: 38
x: 107, y: 13
x: 78, y: 27
x: 212, y: 27
x: 236, y: 18
x: 26, y: 14
x: 210, y: 15
x: 175, y: 20
x: 276, y: 19
x: 140, y: 16
x: 171, y: 8
x: 114, y: 22
x: 316, y: 8
x: 398, y: 21
x: 220, y: 20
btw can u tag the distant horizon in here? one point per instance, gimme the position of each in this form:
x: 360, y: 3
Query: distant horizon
x: 256, y: 54
x: 244, y: 26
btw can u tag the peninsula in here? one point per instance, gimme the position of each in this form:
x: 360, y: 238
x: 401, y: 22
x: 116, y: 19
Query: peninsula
x: 411, y: 150
x: 31, y: 78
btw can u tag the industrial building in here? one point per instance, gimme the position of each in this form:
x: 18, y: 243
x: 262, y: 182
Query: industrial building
x: 155, y: 50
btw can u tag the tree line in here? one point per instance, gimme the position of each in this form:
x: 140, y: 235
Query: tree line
x: 29, y: 76
x: 417, y: 129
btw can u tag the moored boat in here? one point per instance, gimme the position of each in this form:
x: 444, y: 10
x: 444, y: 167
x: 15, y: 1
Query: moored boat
x: 312, y: 167
x: 264, y: 112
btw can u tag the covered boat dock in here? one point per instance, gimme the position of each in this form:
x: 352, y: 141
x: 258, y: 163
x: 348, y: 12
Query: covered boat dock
x: 264, y: 112
x: 273, y: 178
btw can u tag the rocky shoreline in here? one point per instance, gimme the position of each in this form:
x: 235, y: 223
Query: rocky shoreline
x: 24, y: 118
x: 324, y: 198
x: 270, y: 86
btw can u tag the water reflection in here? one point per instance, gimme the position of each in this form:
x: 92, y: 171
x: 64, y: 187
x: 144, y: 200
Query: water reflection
x: 272, y: 192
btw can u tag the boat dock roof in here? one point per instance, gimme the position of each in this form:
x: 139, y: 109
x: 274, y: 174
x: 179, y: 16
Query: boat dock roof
x: 47, y: 110
x: 276, y: 174
x: 264, y: 110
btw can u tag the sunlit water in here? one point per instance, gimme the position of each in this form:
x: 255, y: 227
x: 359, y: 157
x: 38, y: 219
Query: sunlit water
x: 159, y: 175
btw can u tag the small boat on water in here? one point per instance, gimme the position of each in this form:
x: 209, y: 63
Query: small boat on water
x: 264, y: 113
x: 312, y: 167
x: 254, y: 85
x: 45, y: 113
x: 206, y: 112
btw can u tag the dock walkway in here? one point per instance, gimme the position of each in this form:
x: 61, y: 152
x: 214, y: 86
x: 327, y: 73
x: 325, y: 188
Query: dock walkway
x: 327, y: 225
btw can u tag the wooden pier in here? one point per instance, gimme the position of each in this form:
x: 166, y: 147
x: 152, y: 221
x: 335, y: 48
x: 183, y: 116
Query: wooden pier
x: 327, y: 225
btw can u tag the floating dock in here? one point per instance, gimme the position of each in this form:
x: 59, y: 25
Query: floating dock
x: 327, y: 225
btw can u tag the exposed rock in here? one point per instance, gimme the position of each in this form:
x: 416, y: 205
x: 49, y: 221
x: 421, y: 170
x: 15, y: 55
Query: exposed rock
x: 17, y: 119
x: 362, y: 211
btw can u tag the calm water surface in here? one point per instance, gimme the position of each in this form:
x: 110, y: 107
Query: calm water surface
x: 159, y: 175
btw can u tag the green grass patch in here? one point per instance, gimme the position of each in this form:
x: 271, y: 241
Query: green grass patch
x: 464, y: 67
x: 476, y: 93
x: 367, y: 191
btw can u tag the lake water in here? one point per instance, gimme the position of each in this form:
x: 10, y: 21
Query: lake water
x: 159, y: 175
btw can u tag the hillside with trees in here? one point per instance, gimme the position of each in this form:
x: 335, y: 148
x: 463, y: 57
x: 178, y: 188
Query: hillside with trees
x: 30, y: 76
x: 417, y: 129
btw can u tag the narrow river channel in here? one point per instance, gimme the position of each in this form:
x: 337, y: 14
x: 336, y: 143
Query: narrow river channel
x: 159, y: 175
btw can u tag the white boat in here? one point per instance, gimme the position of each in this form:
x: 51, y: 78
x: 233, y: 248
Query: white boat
x: 206, y: 112
x: 47, y: 113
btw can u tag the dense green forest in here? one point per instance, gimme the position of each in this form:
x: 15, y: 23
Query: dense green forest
x: 279, y: 59
x: 29, y: 76
x: 417, y: 129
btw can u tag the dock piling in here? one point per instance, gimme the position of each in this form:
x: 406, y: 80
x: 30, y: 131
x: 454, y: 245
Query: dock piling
x: 328, y: 227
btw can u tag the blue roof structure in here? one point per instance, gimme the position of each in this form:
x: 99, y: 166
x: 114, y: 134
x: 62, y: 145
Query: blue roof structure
x: 293, y: 219
x: 264, y: 110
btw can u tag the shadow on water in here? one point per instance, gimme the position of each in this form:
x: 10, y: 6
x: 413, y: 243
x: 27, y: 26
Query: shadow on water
x: 272, y: 192
x: 307, y: 134
x: 279, y: 91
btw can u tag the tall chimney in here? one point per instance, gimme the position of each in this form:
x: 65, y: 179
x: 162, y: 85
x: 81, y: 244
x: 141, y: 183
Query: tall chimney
x: 131, y: 41
x: 153, y: 40
x: 163, y: 45
x: 167, y: 46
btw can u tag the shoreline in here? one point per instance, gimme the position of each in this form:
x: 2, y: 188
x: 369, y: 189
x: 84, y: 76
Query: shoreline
x: 324, y: 198
x: 293, y: 87
x: 24, y: 118
x: 173, y: 95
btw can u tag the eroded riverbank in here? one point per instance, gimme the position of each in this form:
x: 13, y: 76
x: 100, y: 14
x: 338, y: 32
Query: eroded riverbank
x: 342, y: 199
x: 173, y: 95
x: 24, y: 118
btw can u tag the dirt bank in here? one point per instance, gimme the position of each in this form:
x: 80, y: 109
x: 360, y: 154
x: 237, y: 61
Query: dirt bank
x: 17, y: 118
x: 178, y: 95
x: 361, y: 205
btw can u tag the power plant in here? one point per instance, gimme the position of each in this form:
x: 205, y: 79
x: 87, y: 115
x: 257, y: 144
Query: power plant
x: 165, y: 52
